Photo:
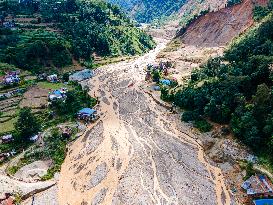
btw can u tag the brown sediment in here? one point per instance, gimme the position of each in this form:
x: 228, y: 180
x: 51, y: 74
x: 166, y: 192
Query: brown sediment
x: 137, y: 152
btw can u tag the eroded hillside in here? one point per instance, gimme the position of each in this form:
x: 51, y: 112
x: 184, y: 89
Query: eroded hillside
x: 220, y: 27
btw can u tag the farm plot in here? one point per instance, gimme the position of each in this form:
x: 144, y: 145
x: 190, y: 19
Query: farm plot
x: 8, y: 112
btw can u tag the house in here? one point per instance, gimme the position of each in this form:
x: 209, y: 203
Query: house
x: 2, y: 96
x: 87, y: 114
x: 58, y: 95
x: 7, y: 138
x: 11, y: 79
x: 11, y: 93
x: 148, y: 75
x: 66, y: 132
x: 8, y: 24
x: 81, y: 75
x: 52, y: 78
x: 7, y: 200
x: 4, y: 156
x: 258, y: 186
x: 263, y: 202
x: 16, y: 72
x: 34, y: 138
x: 2, y: 18
x: 42, y: 76
x: 156, y: 88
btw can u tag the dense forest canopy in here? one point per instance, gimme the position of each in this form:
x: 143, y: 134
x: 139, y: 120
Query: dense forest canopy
x: 34, y: 49
x: 70, y: 30
x: 237, y: 89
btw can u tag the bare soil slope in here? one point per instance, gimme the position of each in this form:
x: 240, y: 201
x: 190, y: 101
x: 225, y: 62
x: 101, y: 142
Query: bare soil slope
x: 220, y: 27
x: 194, y: 7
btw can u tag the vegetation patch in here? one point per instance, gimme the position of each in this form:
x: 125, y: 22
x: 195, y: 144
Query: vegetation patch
x: 202, y: 125
x: 51, y: 86
x: 7, y: 126
x: 55, y: 149
x: 237, y: 90
x: 260, y: 12
x: 53, y: 40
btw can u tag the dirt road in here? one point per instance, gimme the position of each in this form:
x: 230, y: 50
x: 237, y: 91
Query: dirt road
x: 138, y: 153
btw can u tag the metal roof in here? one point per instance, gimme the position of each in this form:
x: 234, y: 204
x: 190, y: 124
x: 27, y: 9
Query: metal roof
x: 87, y: 111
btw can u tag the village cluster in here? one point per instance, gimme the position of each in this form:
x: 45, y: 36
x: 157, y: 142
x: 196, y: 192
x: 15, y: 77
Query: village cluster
x: 14, y: 85
x: 258, y: 188
x: 160, y: 74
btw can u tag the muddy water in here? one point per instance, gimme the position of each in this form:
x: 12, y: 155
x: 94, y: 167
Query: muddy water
x: 137, y: 153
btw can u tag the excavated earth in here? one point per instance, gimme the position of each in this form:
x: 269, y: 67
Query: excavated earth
x: 220, y: 27
x: 138, y: 152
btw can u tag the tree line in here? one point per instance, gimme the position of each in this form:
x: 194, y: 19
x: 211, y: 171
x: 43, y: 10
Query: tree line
x: 82, y: 28
x: 236, y: 89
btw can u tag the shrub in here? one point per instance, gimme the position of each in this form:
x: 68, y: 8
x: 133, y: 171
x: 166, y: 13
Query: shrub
x: 203, y: 125
x: 260, y: 12
x: 12, y: 170
x: 189, y: 116
x: 233, y: 2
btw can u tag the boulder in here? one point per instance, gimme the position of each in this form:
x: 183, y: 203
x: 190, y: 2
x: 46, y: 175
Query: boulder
x: 33, y: 172
x: 217, y: 156
x: 207, y: 142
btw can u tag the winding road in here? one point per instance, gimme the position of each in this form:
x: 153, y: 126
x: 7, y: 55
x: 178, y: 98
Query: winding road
x: 138, y: 152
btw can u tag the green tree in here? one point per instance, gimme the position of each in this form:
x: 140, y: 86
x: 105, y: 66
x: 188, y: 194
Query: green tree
x: 71, y: 6
x: 27, y: 124
x: 244, y: 126
x: 156, y: 76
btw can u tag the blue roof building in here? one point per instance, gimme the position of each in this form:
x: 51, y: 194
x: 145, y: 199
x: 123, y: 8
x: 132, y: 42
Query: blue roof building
x: 87, y: 114
x: 165, y: 82
x: 87, y: 111
x: 57, y: 92
x: 263, y: 202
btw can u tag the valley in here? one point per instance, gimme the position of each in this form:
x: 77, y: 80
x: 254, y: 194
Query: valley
x: 138, y: 152
x: 193, y: 141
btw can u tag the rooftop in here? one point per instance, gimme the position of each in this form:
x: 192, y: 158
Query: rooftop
x: 263, y: 202
x: 258, y: 184
x: 81, y: 75
x: 87, y: 111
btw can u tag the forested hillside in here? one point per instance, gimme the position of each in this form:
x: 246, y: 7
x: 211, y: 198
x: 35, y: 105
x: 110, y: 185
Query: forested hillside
x: 67, y: 30
x: 236, y: 90
x: 149, y: 10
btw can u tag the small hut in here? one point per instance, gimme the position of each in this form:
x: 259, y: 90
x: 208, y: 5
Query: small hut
x: 58, y: 95
x: 81, y: 75
x: 258, y: 186
x: 52, y: 78
x: 87, y: 114
x: 7, y: 138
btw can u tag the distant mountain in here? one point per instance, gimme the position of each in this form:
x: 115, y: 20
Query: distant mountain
x: 146, y: 11
x: 126, y: 5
